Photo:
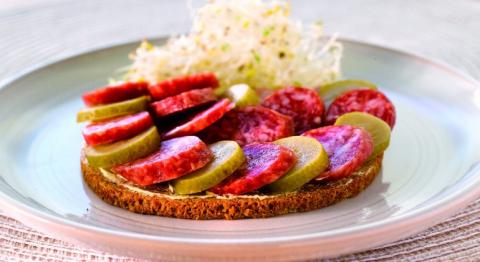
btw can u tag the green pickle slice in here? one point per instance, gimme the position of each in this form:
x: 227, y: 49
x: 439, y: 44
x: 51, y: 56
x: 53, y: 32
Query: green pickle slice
x: 378, y: 129
x: 103, y: 112
x: 228, y: 157
x: 242, y: 95
x: 124, y: 151
x: 312, y: 161
x: 331, y: 91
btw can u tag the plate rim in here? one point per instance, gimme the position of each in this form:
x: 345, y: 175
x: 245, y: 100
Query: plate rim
x: 429, y: 214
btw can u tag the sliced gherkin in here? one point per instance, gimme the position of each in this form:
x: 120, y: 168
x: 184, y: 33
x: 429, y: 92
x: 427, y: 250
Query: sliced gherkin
x: 376, y: 127
x: 228, y: 157
x: 242, y: 95
x: 312, y: 161
x: 103, y: 112
x: 124, y: 151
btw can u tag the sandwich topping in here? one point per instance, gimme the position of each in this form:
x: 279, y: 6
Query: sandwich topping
x: 277, y: 145
x: 244, y: 105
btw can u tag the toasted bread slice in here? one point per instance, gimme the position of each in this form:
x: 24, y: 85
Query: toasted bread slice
x: 160, y: 201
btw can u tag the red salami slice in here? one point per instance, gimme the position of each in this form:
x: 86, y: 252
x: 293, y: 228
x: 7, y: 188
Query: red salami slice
x: 265, y: 163
x: 347, y: 148
x: 249, y: 125
x: 362, y: 100
x: 183, y: 101
x: 176, y: 157
x: 116, y: 129
x: 179, y: 85
x: 203, y: 119
x: 115, y: 93
x: 304, y: 106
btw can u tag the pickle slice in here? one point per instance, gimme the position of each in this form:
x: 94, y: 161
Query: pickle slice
x: 242, y: 95
x: 228, y: 157
x: 331, y: 91
x: 124, y: 151
x: 376, y: 127
x: 127, y: 107
x: 312, y: 161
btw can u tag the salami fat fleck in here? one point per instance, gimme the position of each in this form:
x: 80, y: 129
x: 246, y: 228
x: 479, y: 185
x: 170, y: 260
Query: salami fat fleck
x: 302, y: 104
x: 347, y: 148
x: 181, y: 84
x: 202, y: 120
x: 115, y: 93
x: 249, y: 125
x: 265, y: 163
x: 176, y: 157
x: 183, y: 101
x: 116, y: 129
x: 362, y: 100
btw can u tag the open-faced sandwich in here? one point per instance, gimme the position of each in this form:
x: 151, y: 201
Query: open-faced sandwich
x: 241, y: 118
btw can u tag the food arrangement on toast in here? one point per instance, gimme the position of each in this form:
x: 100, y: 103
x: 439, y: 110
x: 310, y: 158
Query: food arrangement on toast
x: 205, y: 127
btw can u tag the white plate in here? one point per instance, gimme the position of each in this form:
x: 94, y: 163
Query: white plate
x: 430, y: 171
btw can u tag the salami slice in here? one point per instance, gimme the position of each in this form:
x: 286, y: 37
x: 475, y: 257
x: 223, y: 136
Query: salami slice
x: 176, y: 157
x: 347, y: 148
x: 265, y: 163
x: 179, y: 85
x: 115, y: 93
x: 302, y: 104
x: 116, y: 129
x: 202, y: 120
x: 362, y: 100
x: 249, y: 125
x: 183, y: 101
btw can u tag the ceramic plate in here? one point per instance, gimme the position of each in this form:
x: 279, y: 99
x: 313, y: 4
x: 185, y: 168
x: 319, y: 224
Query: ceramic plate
x: 429, y: 172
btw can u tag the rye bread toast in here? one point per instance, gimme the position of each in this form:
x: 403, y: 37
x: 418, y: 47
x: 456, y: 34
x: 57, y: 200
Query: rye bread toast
x: 159, y: 200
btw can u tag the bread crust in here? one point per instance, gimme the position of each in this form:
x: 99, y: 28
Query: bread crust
x: 310, y: 197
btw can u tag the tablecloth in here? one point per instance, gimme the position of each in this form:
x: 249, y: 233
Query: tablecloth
x: 33, y: 32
